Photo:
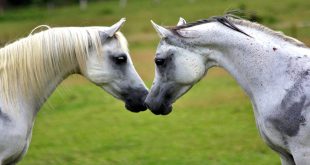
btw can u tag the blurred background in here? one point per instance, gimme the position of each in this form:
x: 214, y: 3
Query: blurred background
x: 212, y: 124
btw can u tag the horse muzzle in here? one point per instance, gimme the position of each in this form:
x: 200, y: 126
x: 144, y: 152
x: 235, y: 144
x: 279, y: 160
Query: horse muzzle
x: 157, y: 108
x: 134, y: 100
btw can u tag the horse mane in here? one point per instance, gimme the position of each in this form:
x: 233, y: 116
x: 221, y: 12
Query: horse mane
x: 221, y: 19
x: 230, y: 21
x: 28, y: 64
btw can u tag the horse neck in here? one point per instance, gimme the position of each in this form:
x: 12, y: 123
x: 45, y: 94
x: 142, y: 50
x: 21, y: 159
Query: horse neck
x: 27, y: 97
x: 30, y: 107
x: 63, y: 70
x: 262, y: 65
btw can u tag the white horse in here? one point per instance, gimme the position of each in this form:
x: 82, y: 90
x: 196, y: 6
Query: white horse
x: 273, y: 69
x: 32, y: 67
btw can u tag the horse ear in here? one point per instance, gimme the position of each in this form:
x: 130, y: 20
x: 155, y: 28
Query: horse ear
x: 162, y: 32
x: 181, y: 21
x: 114, y: 28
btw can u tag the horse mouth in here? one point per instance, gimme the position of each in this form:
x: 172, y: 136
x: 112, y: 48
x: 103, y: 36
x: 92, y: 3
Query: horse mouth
x: 134, y: 99
x: 136, y: 108
x: 160, y: 110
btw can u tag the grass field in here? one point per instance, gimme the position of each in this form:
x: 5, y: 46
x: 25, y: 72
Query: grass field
x: 213, y: 124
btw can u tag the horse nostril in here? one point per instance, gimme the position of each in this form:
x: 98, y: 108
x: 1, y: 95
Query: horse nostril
x: 146, y: 91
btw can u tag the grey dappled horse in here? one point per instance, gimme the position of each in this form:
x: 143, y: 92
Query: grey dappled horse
x: 273, y: 69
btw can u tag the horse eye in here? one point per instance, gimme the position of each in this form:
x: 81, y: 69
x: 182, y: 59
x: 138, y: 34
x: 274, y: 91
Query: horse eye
x: 159, y: 61
x: 121, y: 59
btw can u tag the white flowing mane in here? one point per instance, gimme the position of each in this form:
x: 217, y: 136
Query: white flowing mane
x: 29, y: 63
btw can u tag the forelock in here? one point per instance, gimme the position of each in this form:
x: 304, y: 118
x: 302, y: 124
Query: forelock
x: 122, y: 40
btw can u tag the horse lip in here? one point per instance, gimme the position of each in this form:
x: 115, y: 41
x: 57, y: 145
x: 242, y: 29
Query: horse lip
x: 167, y: 111
x: 160, y: 111
x: 136, y: 108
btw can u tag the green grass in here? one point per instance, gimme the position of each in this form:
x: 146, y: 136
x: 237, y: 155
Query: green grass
x: 212, y: 124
